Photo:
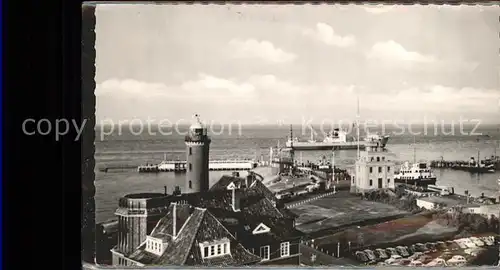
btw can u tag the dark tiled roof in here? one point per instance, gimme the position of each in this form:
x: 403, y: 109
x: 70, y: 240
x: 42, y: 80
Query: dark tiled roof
x: 200, y: 226
x: 224, y: 182
x: 164, y: 228
x: 258, y: 187
x: 288, y: 213
x: 280, y: 230
x: 212, y: 229
x: 175, y: 253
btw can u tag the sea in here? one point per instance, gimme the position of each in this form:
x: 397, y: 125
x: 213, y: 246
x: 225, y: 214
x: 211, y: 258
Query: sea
x: 128, y: 146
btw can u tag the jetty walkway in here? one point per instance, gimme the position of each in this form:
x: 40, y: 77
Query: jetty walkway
x: 181, y: 166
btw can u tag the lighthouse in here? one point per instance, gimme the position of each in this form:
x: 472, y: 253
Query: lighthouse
x: 197, y: 151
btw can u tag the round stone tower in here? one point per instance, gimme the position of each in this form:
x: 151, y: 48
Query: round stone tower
x: 197, y: 151
x: 137, y: 214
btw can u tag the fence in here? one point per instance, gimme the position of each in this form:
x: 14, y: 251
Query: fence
x: 295, y: 204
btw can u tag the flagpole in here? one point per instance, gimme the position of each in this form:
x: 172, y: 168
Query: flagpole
x: 357, y: 127
x: 499, y: 217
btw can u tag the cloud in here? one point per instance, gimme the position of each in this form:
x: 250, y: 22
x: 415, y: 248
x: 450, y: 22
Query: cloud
x: 379, y: 9
x: 275, y: 86
x: 211, y: 87
x: 265, y: 50
x: 205, y: 86
x: 437, y: 98
x: 325, y: 33
x: 393, y: 51
x: 129, y: 87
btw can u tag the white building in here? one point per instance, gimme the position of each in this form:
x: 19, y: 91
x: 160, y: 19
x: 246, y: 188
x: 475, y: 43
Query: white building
x: 436, y: 202
x: 486, y: 210
x: 374, y: 171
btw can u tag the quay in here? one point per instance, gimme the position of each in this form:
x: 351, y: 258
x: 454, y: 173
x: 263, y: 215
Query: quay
x: 181, y: 166
x: 486, y: 167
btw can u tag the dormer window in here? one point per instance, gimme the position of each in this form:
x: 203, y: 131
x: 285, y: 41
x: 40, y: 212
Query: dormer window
x: 261, y: 228
x: 215, y: 248
x: 231, y: 186
x: 155, y: 245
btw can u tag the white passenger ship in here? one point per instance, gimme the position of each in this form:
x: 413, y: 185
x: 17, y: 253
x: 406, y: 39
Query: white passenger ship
x: 419, y: 174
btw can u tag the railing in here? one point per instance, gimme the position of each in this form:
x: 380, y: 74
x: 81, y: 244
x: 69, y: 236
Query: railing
x: 295, y: 204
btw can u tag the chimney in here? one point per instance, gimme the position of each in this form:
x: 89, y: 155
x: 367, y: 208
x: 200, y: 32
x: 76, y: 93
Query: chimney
x: 177, y: 191
x: 235, y: 202
x: 250, y: 179
x: 174, y: 218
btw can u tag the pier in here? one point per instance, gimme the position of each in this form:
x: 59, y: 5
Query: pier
x: 181, y: 166
x: 485, y: 167
x: 215, y: 165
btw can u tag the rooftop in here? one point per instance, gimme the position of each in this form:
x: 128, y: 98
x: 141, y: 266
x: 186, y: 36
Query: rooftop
x: 144, y: 195
x: 196, y: 226
x: 446, y: 200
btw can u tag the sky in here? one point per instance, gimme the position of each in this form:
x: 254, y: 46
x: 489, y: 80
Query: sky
x: 262, y: 64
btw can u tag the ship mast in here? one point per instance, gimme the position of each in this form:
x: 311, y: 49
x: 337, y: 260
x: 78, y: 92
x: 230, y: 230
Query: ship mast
x: 414, y: 151
x: 333, y: 165
x: 357, y: 127
x: 478, y: 160
x: 292, y: 153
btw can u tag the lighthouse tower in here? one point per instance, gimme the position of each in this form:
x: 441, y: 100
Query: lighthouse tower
x: 197, y: 149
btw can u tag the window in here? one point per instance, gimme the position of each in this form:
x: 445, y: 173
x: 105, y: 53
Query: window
x: 264, y: 253
x: 388, y: 168
x: 379, y: 169
x: 388, y: 180
x: 153, y: 246
x: 190, y: 166
x: 215, y: 249
x: 190, y: 184
x: 285, y: 249
x: 190, y: 151
x: 371, y: 159
x: 383, y: 158
x: 378, y: 159
x: 371, y: 183
x: 371, y: 169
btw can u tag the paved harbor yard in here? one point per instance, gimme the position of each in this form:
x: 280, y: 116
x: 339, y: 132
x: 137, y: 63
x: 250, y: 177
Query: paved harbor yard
x: 284, y: 184
x: 339, y: 210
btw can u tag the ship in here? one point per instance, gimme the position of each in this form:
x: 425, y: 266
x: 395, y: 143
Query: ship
x: 338, y: 140
x: 417, y: 174
x: 476, y: 167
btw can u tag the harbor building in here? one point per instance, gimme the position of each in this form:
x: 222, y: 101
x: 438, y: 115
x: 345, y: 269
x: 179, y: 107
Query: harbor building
x: 374, y: 171
x: 197, y: 157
